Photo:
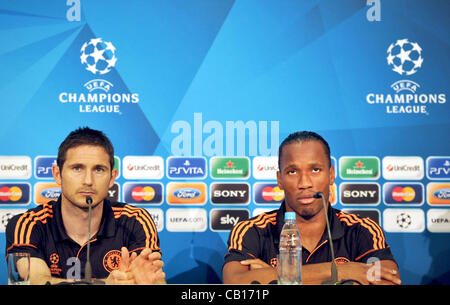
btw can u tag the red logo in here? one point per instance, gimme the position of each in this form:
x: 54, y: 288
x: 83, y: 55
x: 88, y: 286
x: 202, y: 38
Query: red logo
x: 54, y: 268
x: 111, y: 260
x: 341, y: 260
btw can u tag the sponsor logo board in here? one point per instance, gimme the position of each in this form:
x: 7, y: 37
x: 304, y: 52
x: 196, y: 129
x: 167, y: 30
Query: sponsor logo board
x: 438, y: 168
x: 230, y: 167
x: 43, y: 167
x: 225, y: 220
x: 186, y: 220
x: 403, y: 193
x: 267, y: 193
x: 15, y: 193
x: 438, y: 220
x: 6, y: 215
x: 15, y: 167
x: 230, y: 193
x: 45, y: 192
x: 438, y: 193
x: 359, y: 168
x: 403, y: 168
x: 186, y: 193
x: 404, y: 220
x: 360, y: 193
x: 182, y: 168
x: 143, y: 167
x: 265, y: 168
x: 143, y: 193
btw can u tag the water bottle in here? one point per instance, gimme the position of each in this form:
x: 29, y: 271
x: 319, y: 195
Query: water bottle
x: 290, y: 254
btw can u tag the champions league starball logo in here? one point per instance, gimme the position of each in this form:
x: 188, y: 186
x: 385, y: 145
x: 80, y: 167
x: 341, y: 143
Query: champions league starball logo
x: 404, y: 57
x: 98, y: 56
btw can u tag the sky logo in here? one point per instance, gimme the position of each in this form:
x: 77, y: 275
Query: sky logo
x: 181, y: 168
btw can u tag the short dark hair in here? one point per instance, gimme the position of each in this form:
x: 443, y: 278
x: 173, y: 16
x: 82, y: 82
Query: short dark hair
x: 301, y: 136
x: 85, y: 136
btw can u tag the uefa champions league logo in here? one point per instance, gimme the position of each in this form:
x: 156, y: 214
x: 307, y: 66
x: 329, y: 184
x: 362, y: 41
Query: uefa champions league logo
x: 404, y: 57
x: 98, y: 56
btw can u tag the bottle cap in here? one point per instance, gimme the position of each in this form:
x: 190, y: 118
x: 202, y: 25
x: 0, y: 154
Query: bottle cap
x: 289, y: 216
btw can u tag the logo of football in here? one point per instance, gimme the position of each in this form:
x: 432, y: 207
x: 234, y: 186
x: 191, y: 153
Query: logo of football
x: 98, y: 56
x: 404, y: 220
x: 404, y: 57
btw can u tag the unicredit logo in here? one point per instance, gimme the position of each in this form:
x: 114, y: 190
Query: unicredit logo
x: 131, y: 167
x: 404, y: 168
x: 143, y: 167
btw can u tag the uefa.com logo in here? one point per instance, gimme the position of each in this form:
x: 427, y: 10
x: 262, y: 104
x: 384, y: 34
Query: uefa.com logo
x: 99, y: 57
x: 405, y: 58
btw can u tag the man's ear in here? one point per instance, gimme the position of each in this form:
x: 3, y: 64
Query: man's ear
x: 56, y: 172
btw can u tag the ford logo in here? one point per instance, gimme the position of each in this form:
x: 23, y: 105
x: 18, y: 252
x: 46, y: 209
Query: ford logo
x: 442, y: 194
x: 51, y: 193
x: 186, y: 193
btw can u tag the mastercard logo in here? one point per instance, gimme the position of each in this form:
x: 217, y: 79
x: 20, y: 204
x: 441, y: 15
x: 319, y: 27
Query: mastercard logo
x: 10, y: 193
x: 400, y: 194
x: 267, y: 193
x: 143, y: 193
x: 14, y: 193
x: 272, y: 193
x: 146, y: 193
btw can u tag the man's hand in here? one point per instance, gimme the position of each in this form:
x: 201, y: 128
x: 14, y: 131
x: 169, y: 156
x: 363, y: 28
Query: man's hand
x: 254, y: 264
x: 147, y: 267
x: 376, y: 274
x: 123, y: 275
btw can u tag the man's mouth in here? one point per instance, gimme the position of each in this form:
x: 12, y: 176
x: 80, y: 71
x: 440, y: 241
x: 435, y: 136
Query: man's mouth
x: 306, y: 199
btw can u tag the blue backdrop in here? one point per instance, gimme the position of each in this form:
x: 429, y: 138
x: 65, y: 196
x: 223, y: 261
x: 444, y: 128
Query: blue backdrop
x: 213, y: 78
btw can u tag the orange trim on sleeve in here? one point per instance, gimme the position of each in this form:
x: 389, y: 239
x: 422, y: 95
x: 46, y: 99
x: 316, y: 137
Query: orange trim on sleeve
x: 239, y: 231
x: 151, y: 240
x: 379, y: 241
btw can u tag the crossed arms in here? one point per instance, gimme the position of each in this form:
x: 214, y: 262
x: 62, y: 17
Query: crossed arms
x: 246, y: 271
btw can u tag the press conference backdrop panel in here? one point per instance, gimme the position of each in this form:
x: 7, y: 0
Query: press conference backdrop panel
x: 197, y: 95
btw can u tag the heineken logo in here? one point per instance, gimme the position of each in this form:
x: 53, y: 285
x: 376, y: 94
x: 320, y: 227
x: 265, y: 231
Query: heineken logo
x: 230, y: 168
x: 359, y: 167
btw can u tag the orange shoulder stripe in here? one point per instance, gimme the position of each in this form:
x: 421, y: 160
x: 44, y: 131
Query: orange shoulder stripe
x: 377, y: 234
x: 147, y: 224
x: 235, y: 232
x: 382, y: 243
x: 151, y: 224
x: 23, y: 229
x: 261, y: 221
x: 237, y: 229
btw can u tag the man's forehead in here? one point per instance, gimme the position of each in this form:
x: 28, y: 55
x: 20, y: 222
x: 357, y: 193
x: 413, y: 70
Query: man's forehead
x: 87, y: 153
x: 305, y: 152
